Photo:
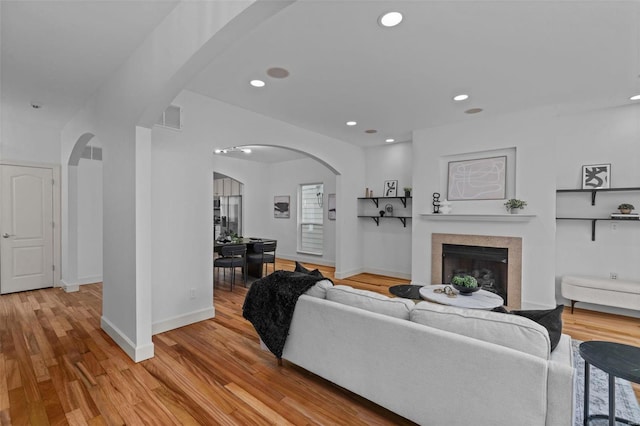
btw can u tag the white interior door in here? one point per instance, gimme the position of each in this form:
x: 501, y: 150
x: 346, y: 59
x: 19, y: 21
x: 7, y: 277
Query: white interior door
x: 26, y: 228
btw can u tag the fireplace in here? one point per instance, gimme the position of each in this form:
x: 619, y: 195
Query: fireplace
x: 488, y: 265
x: 507, y: 273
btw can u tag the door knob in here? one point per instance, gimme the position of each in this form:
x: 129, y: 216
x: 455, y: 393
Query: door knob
x: 5, y: 235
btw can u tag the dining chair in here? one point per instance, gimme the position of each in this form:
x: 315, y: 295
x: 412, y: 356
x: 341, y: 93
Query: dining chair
x: 232, y: 256
x: 263, y: 253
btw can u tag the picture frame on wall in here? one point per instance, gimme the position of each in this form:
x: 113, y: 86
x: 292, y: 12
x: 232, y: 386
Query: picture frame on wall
x: 390, y: 188
x: 331, y: 206
x: 477, y: 179
x: 596, y: 176
x: 281, y: 204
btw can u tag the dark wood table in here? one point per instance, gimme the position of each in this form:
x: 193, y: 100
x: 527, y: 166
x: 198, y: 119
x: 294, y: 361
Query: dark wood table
x: 617, y: 360
x: 408, y: 291
x: 253, y: 269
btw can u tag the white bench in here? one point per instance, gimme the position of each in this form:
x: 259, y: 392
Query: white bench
x: 601, y: 291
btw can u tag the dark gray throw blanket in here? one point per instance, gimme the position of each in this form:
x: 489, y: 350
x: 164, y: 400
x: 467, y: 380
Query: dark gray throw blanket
x: 270, y: 303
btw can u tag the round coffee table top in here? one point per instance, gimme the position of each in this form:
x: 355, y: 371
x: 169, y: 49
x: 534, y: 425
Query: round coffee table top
x: 616, y: 359
x: 481, y: 299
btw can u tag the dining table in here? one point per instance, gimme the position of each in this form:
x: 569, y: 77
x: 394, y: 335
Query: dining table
x: 253, y: 269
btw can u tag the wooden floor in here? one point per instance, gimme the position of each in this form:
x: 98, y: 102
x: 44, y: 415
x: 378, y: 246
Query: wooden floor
x: 58, y: 367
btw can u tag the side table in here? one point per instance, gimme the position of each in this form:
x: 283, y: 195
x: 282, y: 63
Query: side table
x: 617, y: 360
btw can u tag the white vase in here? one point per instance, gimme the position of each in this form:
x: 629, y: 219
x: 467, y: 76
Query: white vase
x: 445, y: 207
x: 514, y: 210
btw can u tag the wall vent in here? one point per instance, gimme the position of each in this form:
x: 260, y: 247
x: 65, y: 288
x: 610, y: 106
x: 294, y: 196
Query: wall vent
x: 92, y: 153
x: 171, y: 118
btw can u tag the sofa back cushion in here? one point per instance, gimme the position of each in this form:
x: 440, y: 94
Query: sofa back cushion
x: 319, y: 289
x: 371, y: 301
x: 512, y: 331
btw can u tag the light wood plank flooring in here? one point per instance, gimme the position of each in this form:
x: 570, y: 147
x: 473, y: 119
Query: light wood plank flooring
x: 58, y: 367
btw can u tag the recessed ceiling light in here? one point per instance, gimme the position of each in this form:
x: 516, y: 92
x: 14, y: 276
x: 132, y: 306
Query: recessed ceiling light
x: 257, y: 83
x: 389, y: 140
x: 473, y: 111
x: 351, y: 123
x: 277, y: 72
x: 371, y: 131
x: 246, y: 150
x: 635, y: 98
x: 390, y: 19
x: 461, y: 97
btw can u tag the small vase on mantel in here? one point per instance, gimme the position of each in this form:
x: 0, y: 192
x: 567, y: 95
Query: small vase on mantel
x: 514, y: 210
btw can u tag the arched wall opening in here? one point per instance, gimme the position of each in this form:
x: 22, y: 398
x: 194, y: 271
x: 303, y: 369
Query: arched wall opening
x: 83, y: 263
x: 273, y: 173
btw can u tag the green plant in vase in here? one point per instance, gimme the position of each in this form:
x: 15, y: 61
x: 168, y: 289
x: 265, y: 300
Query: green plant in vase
x: 514, y: 205
x: 626, y: 208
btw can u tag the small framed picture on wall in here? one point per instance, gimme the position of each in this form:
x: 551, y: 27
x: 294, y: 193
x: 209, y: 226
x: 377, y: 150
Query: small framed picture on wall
x: 281, y: 206
x: 390, y: 188
x: 596, y: 176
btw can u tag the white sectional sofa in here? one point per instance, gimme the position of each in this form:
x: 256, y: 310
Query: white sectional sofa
x: 432, y: 364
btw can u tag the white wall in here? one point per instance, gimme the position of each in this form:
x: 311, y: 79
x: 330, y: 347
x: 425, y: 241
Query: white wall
x: 182, y: 166
x: 534, y: 136
x: 89, y: 181
x: 386, y: 248
x: 285, y: 179
x: 25, y: 138
x: 603, y: 136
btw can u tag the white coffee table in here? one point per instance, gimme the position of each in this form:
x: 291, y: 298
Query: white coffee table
x: 481, y: 299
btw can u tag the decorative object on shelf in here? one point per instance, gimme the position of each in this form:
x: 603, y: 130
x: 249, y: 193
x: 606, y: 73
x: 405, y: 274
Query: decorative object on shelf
x: 407, y: 191
x: 445, y: 206
x: 390, y: 188
x: 478, y: 179
x: 331, y: 208
x: 625, y: 208
x: 465, y: 284
x: 388, y: 208
x: 381, y: 213
x: 596, y: 176
x: 436, y: 202
x: 366, y: 192
x: 281, y: 206
x: 514, y: 205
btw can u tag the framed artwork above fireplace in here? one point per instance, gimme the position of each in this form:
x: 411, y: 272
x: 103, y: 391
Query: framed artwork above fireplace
x: 477, y: 179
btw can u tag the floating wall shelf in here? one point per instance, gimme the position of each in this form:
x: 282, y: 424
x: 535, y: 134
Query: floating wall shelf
x: 479, y: 217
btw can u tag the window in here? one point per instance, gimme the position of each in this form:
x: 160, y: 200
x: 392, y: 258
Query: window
x: 310, y: 234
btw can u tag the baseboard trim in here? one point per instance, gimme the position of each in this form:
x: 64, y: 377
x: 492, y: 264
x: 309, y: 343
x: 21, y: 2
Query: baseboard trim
x: 90, y: 280
x: 342, y: 274
x: 182, y: 320
x: 386, y: 273
x: 69, y: 287
x: 136, y: 353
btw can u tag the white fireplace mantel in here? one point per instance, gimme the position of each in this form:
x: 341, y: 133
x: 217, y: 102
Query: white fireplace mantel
x: 479, y: 217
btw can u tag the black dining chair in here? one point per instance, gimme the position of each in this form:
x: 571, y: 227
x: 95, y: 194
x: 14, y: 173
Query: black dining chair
x: 232, y: 256
x: 263, y: 253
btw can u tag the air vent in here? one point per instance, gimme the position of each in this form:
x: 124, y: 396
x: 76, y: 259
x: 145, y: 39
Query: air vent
x: 92, y: 153
x: 171, y: 118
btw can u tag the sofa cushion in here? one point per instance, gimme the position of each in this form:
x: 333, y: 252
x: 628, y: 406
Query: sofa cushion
x: 319, y: 289
x: 511, y: 331
x: 371, y: 301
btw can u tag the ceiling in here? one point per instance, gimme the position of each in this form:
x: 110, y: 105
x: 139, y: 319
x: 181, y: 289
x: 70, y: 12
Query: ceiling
x: 507, y: 55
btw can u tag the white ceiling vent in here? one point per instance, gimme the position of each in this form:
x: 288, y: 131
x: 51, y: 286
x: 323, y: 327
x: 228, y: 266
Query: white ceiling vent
x: 171, y: 118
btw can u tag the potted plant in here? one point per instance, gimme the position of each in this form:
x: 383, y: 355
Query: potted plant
x: 465, y: 284
x: 407, y: 191
x: 625, y: 208
x: 514, y: 205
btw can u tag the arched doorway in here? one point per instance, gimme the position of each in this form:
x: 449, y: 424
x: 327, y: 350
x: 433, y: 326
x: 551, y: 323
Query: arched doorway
x: 84, y: 206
